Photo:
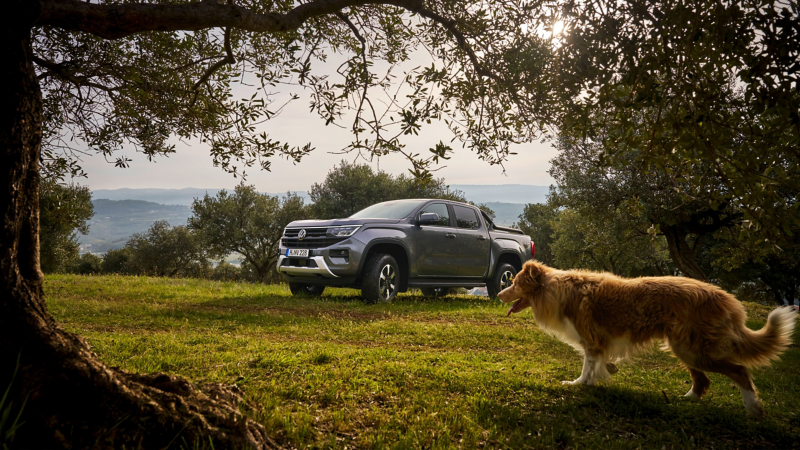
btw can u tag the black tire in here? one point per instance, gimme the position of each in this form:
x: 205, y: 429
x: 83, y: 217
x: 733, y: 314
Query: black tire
x: 306, y: 290
x: 381, y: 280
x: 501, y: 279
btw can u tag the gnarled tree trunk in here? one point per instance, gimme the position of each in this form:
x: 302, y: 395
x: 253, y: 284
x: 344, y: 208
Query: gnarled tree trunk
x: 682, y: 255
x: 73, y: 399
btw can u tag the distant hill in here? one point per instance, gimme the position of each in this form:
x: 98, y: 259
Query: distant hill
x: 183, y: 196
x: 115, y: 221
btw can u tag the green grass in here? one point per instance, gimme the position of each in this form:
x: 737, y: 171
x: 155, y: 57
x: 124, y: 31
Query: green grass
x: 451, y: 372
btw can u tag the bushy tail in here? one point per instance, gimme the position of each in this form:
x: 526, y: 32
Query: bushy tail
x: 758, y: 348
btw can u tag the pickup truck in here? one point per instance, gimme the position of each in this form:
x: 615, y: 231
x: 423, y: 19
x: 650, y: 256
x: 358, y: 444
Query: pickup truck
x: 392, y: 246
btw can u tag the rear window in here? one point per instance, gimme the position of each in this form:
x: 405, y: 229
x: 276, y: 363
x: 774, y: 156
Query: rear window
x: 466, y: 218
x: 395, y: 209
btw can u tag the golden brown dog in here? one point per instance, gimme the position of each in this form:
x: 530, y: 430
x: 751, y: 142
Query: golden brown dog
x: 607, y: 317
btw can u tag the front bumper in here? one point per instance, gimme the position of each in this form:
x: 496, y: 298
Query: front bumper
x: 319, y: 267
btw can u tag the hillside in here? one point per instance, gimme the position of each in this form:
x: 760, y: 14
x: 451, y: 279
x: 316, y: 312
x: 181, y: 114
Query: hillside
x: 115, y: 221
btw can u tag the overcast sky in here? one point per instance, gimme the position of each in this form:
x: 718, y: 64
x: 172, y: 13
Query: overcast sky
x: 192, y: 166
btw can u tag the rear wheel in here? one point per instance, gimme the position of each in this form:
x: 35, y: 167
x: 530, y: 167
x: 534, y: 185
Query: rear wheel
x: 381, y: 279
x: 502, y: 279
x: 306, y: 290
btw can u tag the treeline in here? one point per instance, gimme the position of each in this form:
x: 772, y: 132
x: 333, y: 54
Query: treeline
x: 243, y: 222
x: 610, y: 210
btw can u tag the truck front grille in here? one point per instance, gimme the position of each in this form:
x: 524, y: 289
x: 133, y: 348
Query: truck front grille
x: 315, y: 238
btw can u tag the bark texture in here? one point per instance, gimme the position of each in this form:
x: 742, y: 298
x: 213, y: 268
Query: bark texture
x: 681, y: 253
x: 73, y: 399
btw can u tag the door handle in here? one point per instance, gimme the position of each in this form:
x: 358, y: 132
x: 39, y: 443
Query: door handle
x: 481, y: 238
x: 450, y: 235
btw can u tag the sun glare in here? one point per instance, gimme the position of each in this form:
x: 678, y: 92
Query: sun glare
x: 558, y: 27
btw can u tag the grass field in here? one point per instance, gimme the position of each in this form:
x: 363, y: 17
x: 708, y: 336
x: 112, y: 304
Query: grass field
x: 452, y: 372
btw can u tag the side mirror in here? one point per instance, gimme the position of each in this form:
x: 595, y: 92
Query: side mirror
x: 428, y: 218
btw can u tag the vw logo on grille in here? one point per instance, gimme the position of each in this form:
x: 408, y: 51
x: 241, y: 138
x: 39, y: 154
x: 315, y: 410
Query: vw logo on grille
x: 301, y: 235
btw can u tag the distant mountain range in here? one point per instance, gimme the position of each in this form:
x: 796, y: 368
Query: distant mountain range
x: 183, y: 196
x: 121, y: 212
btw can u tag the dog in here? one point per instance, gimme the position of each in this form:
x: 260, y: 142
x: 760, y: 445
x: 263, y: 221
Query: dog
x: 607, y: 318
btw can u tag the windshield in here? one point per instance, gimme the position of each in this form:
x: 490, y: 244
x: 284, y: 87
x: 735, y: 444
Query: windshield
x: 395, y: 209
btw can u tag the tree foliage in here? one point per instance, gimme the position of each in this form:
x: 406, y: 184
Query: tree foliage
x: 164, y: 250
x: 601, y: 187
x: 65, y: 210
x: 246, y: 222
x: 351, y: 187
x: 114, y: 82
x: 688, y: 85
x: 536, y: 221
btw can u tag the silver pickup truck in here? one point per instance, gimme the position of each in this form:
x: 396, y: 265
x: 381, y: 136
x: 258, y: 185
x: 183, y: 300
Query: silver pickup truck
x: 396, y: 245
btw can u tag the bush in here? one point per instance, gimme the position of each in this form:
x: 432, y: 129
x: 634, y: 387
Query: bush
x: 114, y: 261
x: 86, y: 264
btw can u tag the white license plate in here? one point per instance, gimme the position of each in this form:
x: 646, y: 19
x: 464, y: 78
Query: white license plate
x: 297, y: 252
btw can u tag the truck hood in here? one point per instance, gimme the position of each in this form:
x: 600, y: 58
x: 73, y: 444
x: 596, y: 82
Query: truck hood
x: 337, y: 222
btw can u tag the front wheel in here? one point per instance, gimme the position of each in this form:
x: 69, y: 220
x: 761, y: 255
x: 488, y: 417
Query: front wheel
x: 306, y: 290
x: 381, y: 279
x: 502, y: 279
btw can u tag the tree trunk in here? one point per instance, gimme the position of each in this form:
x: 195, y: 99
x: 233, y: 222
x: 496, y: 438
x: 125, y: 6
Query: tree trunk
x: 680, y: 252
x: 74, y: 400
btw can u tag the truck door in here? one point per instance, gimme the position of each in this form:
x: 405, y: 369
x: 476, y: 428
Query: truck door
x: 474, y: 243
x: 437, y: 244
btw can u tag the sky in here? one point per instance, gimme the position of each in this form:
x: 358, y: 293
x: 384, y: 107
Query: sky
x: 192, y: 166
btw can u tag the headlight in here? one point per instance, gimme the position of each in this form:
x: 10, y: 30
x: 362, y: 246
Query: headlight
x: 342, y: 231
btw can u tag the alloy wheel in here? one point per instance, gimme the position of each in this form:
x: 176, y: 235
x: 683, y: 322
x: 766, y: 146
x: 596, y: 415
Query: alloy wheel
x: 387, y: 284
x: 506, y: 280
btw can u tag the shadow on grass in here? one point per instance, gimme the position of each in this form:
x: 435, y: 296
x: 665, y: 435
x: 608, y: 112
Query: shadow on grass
x: 598, y: 415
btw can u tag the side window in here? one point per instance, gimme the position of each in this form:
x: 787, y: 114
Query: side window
x: 466, y: 217
x: 441, y: 210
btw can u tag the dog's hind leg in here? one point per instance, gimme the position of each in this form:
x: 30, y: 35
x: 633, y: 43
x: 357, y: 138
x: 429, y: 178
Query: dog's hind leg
x: 741, y: 376
x: 700, y: 384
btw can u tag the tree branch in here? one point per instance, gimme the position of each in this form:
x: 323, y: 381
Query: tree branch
x: 115, y: 21
x: 228, y: 59
x: 63, y: 72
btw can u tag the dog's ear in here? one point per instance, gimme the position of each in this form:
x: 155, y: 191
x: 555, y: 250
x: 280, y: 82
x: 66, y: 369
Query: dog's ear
x: 531, y: 275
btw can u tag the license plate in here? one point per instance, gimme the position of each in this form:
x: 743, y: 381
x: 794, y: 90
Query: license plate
x: 297, y: 252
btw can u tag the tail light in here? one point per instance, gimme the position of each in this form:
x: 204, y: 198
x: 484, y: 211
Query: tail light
x: 533, y: 250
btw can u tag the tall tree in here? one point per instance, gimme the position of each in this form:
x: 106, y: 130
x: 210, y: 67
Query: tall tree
x: 65, y: 210
x: 536, y: 221
x: 691, y: 84
x: 110, y: 75
x: 164, y: 251
x: 246, y: 222
x: 685, y: 213
x: 351, y: 187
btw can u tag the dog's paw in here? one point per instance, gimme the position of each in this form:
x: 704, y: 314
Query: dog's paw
x: 692, y: 395
x: 575, y: 382
x: 569, y: 382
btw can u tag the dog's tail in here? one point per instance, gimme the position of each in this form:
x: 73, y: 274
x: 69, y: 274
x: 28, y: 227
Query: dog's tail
x: 758, y: 348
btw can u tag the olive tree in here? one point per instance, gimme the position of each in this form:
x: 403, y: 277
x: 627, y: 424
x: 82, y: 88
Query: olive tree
x: 164, y: 251
x: 351, y: 187
x: 108, y: 76
x: 64, y: 211
x: 246, y: 222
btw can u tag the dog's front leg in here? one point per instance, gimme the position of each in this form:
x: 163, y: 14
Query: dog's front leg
x: 593, y: 368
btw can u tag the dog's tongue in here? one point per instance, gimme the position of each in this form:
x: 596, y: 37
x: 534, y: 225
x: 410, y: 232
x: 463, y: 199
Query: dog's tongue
x: 515, y: 307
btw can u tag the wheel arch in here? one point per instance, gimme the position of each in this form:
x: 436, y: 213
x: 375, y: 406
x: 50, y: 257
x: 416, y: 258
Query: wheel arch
x: 398, y: 251
x: 510, y: 258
